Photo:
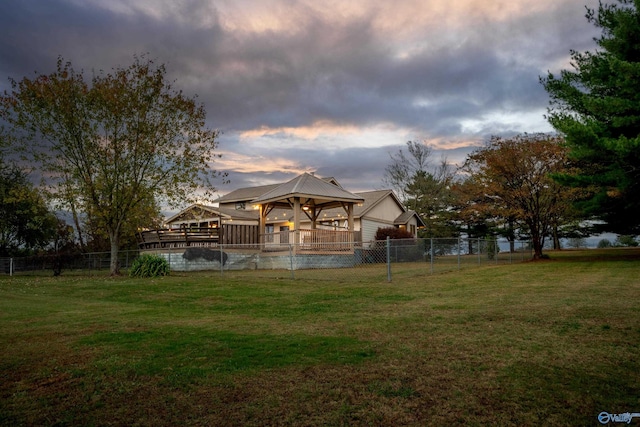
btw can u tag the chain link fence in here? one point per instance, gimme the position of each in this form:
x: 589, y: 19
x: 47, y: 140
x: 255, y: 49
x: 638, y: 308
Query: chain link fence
x: 80, y: 263
x: 372, y: 261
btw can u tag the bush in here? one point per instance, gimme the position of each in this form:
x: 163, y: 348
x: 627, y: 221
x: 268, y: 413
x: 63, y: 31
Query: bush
x: 626, y: 241
x: 149, y: 266
x: 393, y: 233
x: 604, y: 243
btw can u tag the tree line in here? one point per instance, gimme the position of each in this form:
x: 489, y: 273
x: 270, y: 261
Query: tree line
x: 112, y: 148
x: 583, y: 179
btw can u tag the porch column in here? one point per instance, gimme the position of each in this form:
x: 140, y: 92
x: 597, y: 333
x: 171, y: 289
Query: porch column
x: 314, y: 217
x: 350, y: 221
x: 296, y: 224
x: 262, y: 226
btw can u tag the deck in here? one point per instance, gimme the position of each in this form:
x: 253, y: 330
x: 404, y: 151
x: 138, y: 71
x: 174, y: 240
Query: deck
x: 239, y: 237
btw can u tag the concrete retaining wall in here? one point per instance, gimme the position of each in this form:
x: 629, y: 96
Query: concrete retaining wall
x: 205, y: 259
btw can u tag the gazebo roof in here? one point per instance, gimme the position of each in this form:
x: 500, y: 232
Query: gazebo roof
x: 200, y: 212
x: 311, y: 191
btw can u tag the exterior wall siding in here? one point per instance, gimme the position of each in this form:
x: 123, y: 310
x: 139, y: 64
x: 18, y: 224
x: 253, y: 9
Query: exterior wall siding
x: 387, y: 209
x: 370, y: 227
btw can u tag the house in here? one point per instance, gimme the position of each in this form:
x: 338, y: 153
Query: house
x: 306, y: 210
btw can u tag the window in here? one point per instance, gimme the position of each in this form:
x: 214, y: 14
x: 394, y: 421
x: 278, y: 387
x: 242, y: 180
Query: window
x: 240, y: 206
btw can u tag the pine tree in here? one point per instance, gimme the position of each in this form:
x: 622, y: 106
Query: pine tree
x: 596, y: 107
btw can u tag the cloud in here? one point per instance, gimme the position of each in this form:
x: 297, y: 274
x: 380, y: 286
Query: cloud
x: 327, y: 86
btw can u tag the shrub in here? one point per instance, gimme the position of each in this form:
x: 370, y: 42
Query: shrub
x: 149, y: 266
x: 393, y: 233
x: 604, y: 243
x: 626, y: 241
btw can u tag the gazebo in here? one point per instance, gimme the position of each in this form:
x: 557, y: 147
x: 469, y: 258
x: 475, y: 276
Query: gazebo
x: 309, y: 195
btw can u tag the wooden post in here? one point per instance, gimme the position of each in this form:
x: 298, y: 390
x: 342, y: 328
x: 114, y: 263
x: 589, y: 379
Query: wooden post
x: 351, y: 225
x: 262, y: 227
x: 296, y: 224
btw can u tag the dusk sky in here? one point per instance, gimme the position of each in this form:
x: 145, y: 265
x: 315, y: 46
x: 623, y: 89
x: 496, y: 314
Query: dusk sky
x: 329, y: 87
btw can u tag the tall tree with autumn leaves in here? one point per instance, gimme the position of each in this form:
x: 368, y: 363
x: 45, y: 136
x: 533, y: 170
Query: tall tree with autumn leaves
x: 513, y: 181
x: 109, y: 146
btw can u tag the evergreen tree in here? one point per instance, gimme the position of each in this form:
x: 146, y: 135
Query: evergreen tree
x: 596, y: 107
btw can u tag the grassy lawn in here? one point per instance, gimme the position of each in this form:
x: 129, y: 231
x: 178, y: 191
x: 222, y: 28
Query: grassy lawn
x: 545, y: 343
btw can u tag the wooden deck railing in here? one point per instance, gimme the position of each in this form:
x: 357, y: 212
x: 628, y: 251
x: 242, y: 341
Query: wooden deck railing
x: 310, y: 240
x: 246, y: 236
x: 177, y: 238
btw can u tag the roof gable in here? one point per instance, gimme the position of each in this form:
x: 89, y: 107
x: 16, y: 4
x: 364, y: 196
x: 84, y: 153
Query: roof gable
x: 405, y: 217
x: 247, y: 194
x: 193, y: 212
x: 311, y: 187
x: 197, y: 212
x: 374, y: 198
x: 371, y: 199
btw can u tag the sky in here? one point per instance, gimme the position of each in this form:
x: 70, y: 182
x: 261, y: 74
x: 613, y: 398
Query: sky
x: 330, y: 87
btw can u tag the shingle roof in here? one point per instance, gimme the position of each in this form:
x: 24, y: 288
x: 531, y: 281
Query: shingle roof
x: 369, y: 200
x: 203, y: 212
x: 247, y: 193
x: 305, y: 185
x: 406, y: 216
x: 239, y: 213
x: 308, y: 186
x: 200, y: 209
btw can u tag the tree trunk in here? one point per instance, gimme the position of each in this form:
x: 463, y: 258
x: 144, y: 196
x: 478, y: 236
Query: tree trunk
x: 76, y: 222
x: 537, y: 247
x: 114, y: 267
x: 556, y: 239
x: 511, y: 236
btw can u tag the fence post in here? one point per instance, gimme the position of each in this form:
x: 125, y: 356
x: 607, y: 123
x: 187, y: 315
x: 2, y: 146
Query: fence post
x: 221, y: 260
x: 293, y: 276
x: 459, y: 253
x: 11, y: 266
x: 388, y: 259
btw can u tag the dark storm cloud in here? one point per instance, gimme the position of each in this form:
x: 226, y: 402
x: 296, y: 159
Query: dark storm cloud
x: 441, y: 81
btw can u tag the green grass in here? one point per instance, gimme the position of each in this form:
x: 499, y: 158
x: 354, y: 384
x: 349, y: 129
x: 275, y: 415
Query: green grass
x: 538, y: 343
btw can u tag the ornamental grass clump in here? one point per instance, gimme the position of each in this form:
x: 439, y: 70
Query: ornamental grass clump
x: 149, y: 266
